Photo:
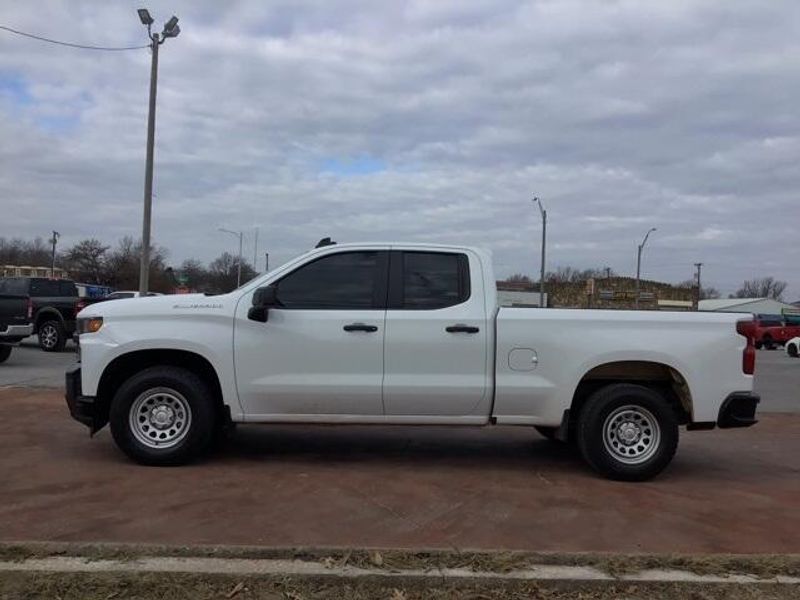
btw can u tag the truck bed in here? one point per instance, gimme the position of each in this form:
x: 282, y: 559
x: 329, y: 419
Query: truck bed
x: 542, y: 355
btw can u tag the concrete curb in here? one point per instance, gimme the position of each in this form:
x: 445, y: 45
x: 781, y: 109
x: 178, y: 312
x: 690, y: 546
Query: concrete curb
x: 305, y: 568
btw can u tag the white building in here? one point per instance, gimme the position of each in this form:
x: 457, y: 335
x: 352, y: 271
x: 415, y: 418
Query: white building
x: 756, y: 306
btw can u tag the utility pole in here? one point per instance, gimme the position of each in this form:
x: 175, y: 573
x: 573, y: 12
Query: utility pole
x: 639, y: 263
x: 239, y: 266
x: 699, y: 266
x: 544, y: 243
x: 255, y: 253
x: 54, y: 241
x: 171, y: 29
x: 266, y: 262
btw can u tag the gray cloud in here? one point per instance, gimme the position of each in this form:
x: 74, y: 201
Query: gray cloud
x: 620, y: 115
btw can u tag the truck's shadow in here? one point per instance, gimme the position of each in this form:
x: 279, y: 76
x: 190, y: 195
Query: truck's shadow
x: 500, y: 447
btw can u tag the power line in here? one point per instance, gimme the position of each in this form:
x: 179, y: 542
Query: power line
x: 70, y: 45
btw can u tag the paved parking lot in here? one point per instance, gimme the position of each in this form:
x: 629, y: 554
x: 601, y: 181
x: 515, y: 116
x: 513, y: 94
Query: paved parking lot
x: 727, y: 491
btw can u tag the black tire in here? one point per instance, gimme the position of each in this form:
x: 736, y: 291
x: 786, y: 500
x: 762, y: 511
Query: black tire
x: 791, y: 350
x: 164, y: 389
x: 52, y: 337
x: 651, y: 417
x: 768, y: 343
x: 757, y: 345
x: 5, y: 352
x: 547, y: 432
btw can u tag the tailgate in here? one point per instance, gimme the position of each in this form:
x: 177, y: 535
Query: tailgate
x: 13, y: 311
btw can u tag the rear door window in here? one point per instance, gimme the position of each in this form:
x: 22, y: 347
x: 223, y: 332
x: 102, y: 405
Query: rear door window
x: 431, y: 280
x: 41, y: 288
x: 67, y: 288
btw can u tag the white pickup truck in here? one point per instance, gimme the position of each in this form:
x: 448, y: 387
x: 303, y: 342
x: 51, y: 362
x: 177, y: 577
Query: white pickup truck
x: 405, y: 334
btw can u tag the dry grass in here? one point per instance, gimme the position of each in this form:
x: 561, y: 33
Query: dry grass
x: 109, y: 586
x: 761, y: 565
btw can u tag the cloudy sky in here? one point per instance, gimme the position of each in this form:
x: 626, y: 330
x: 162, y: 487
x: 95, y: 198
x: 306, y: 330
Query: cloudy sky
x: 426, y: 120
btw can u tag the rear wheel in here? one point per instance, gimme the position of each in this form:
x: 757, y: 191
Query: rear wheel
x: 163, y: 416
x: 768, y: 343
x: 627, y: 432
x: 5, y: 352
x: 52, y: 337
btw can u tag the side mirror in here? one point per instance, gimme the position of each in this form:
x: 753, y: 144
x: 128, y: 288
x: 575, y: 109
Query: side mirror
x: 263, y: 299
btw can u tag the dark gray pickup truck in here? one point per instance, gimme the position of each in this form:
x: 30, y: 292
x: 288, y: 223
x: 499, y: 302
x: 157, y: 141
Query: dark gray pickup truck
x: 15, y: 322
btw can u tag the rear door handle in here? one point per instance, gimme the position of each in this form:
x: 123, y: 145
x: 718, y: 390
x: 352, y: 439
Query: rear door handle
x: 361, y: 327
x: 461, y: 328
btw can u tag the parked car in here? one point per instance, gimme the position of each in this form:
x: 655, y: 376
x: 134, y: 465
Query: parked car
x: 793, y: 347
x: 772, y: 330
x: 128, y: 294
x: 412, y: 335
x: 54, y: 304
x: 15, y: 322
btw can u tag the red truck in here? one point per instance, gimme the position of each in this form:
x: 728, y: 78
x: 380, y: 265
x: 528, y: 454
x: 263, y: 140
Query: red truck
x: 772, y: 330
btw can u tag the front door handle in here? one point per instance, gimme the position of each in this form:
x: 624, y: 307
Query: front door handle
x: 361, y: 327
x: 461, y: 328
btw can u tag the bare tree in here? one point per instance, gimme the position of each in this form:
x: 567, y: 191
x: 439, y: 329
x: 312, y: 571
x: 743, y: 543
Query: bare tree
x: 570, y: 274
x: 17, y: 251
x: 86, y: 260
x: 223, y: 271
x: 519, y: 278
x: 765, y: 287
x: 122, y: 267
x: 706, y: 293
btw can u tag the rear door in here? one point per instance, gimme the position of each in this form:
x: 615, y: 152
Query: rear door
x: 436, y: 344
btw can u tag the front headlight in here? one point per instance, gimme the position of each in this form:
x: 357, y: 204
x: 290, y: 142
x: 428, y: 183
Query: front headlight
x: 89, y: 325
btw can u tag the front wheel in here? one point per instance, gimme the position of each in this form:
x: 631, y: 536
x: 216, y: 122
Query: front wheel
x: 791, y: 350
x: 163, y: 416
x: 769, y: 344
x: 627, y: 432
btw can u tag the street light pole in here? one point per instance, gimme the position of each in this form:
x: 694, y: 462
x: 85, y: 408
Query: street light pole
x: 171, y: 29
x: 544, y: 243
x: 53, y: 264
x: 239, y: 268
x: 639, y: 263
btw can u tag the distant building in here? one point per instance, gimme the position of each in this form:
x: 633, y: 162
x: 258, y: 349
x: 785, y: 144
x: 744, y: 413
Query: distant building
x: 29, y: 271
x: 756, y: 306
x: 607, y: 293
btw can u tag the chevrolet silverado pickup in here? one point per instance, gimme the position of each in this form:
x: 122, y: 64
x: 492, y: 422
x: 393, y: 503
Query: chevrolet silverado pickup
x: 15, y: 322
x: 410, y: 335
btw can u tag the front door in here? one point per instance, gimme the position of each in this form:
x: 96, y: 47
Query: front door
x: 321, y: 351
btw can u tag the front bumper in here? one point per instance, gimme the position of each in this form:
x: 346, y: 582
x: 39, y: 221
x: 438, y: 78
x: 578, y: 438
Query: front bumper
x: 84, y: 409
x: 738, y: 410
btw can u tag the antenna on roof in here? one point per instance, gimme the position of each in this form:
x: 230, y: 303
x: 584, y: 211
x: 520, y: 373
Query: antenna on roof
x: 326, y: 241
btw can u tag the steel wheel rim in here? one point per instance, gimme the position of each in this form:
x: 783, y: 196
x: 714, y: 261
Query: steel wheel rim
x: 160, y: 418
x: 49, y: 336
x: 631, y: 434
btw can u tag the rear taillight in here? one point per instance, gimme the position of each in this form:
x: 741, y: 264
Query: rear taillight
x: 30, y: 309
x: 746, y: 328
x: 79, y: 306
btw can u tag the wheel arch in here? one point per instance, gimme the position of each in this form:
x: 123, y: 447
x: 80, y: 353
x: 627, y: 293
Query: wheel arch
x: 660, y: 376
x: 46, y: 314
x: 126, y: 365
